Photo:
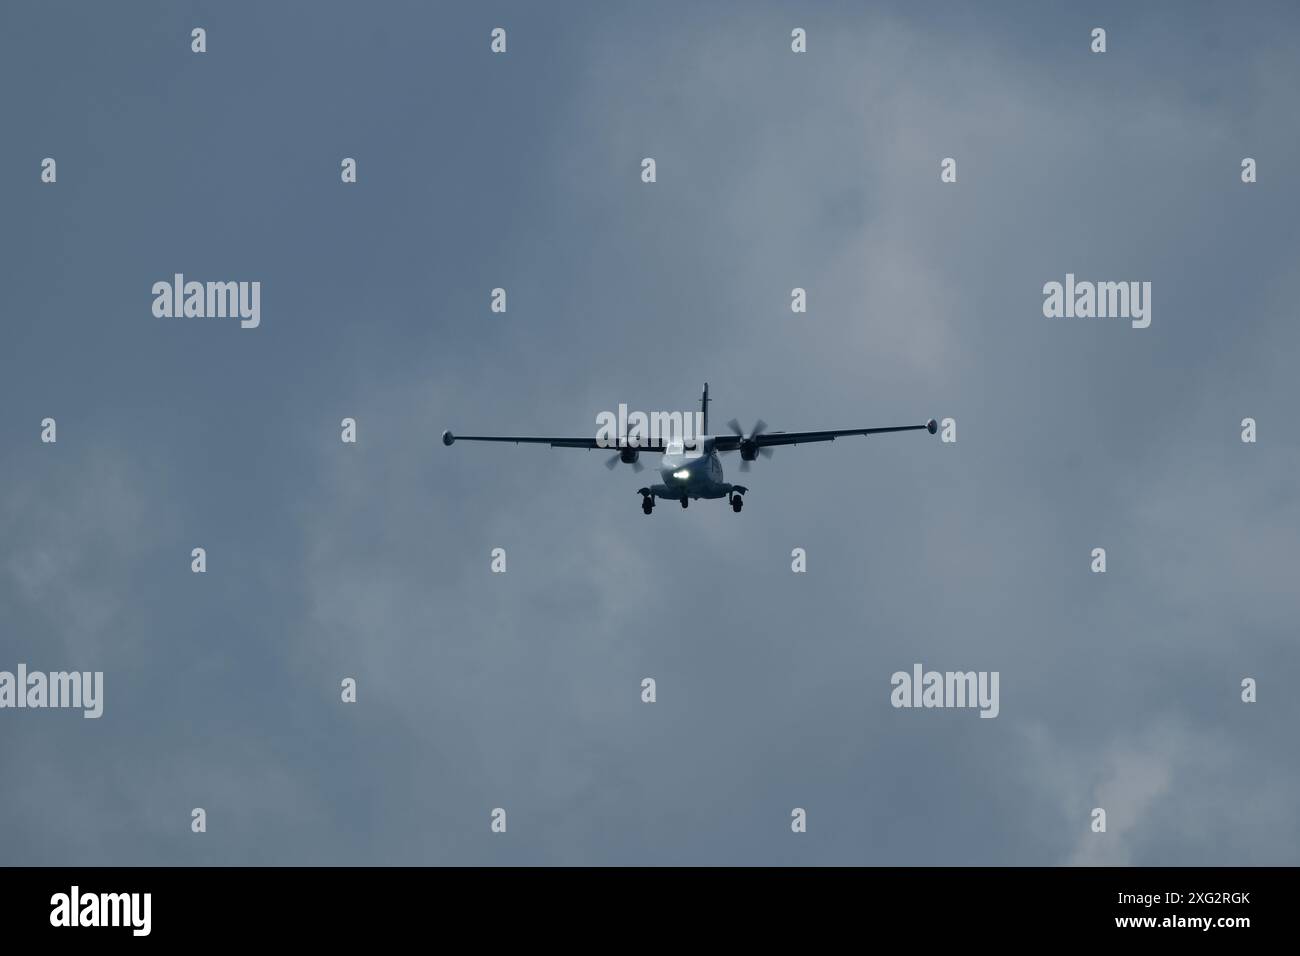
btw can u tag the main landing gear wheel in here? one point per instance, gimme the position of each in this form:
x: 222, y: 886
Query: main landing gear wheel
x: 685, y: 501
x: 647, y: 505
x: 737, y: 503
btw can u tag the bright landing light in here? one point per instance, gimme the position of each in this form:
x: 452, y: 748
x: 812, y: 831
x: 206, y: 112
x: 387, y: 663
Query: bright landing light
x: 683, y: 474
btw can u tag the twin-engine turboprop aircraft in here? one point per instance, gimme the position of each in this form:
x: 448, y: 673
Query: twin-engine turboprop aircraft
x: 690, y: 468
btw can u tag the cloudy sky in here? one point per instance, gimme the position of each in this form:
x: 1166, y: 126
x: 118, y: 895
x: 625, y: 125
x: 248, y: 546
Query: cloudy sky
x: 523, y: 690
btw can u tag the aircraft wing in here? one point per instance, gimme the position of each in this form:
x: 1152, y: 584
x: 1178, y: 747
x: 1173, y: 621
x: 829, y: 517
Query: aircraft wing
x: 588, y: 443
x: 767, y: 439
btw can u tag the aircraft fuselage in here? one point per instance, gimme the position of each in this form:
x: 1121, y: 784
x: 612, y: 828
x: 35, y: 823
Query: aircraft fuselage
x: 688, y: 474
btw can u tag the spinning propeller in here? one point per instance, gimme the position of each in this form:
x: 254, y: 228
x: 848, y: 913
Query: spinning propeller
x: 628, y: 455
x: 748, y: 449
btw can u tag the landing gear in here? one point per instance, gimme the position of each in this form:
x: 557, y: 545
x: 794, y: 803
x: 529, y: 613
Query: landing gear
x: 685, y: 501
x: 647, y: 504
x: 737, y: 503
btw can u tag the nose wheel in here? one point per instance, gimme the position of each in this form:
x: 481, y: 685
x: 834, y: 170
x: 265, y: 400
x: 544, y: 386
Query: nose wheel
x: 685, y: 501
x: 647, y: 504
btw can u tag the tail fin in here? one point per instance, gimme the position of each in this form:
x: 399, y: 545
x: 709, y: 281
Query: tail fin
x: 704, y: 407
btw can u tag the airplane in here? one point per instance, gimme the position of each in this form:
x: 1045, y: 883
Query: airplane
x: 696, y: 472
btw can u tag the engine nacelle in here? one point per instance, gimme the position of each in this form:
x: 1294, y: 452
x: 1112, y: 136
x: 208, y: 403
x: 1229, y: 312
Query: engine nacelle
x: 748, y: 452
x: 628, y: 456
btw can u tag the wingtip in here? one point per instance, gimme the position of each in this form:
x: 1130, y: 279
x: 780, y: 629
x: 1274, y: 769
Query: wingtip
x: 448, y: 438
x: 932, y: 426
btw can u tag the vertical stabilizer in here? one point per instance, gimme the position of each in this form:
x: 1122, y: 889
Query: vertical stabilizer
x: 704, y: 407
